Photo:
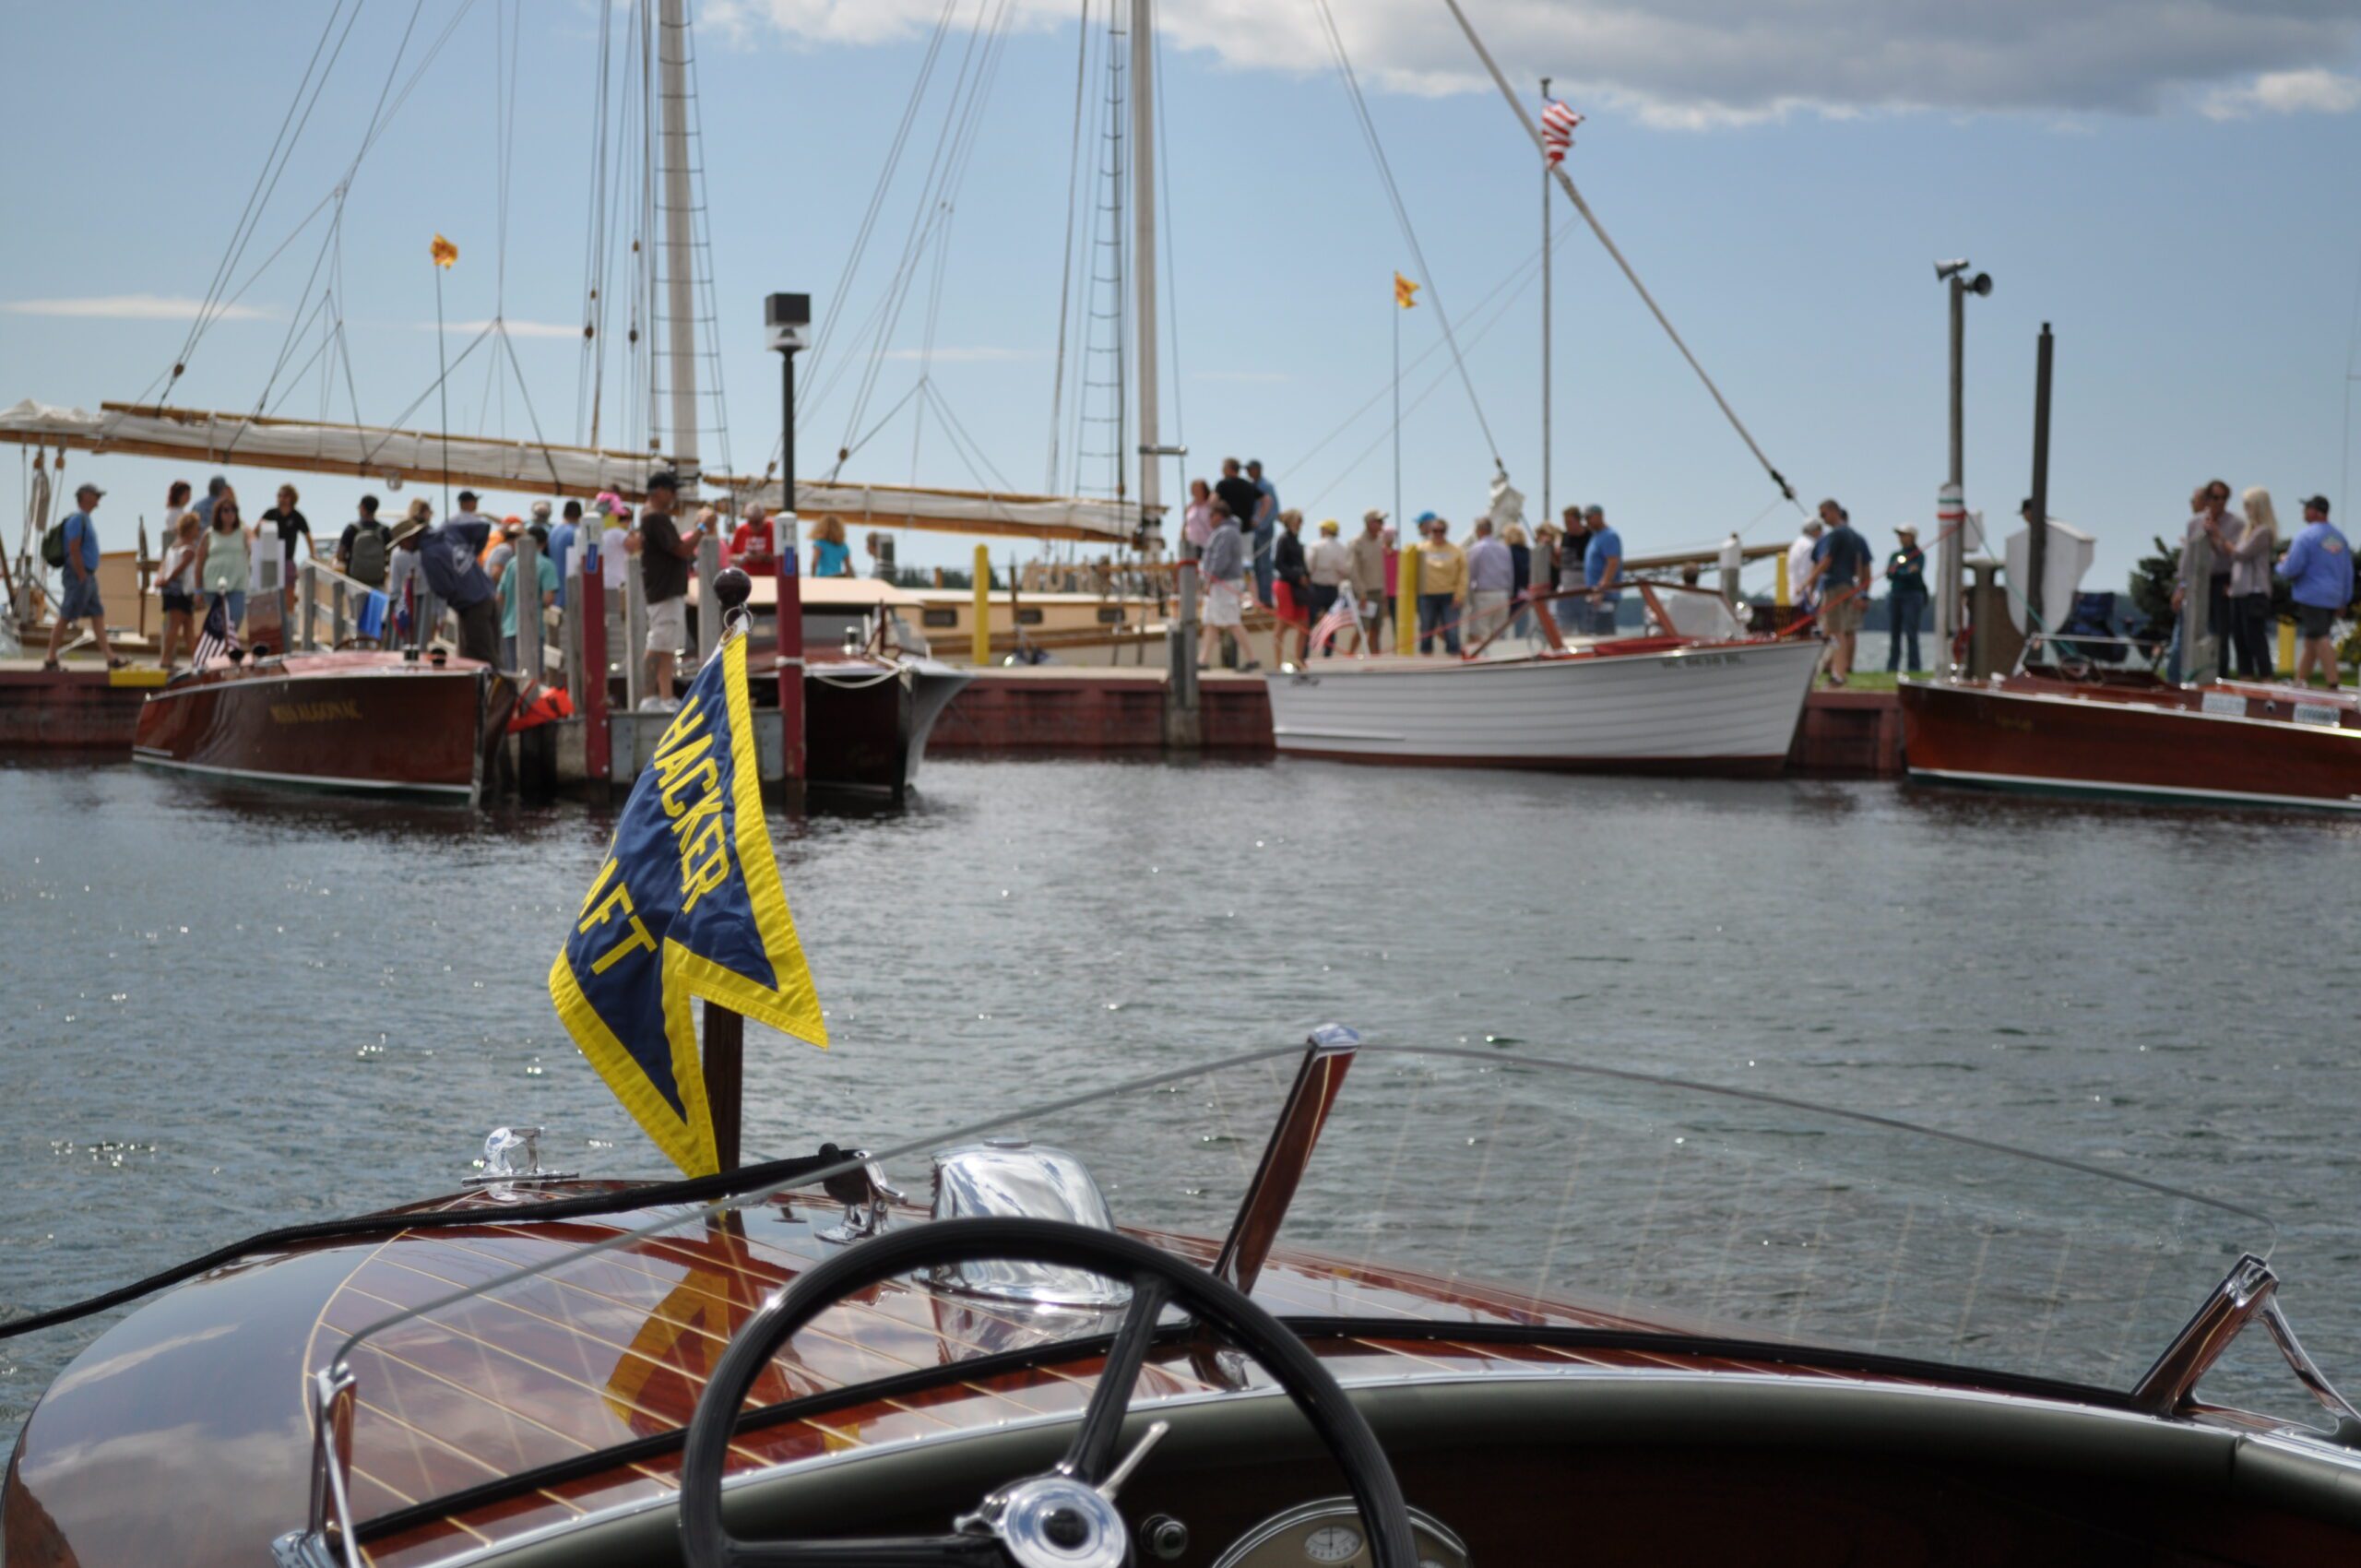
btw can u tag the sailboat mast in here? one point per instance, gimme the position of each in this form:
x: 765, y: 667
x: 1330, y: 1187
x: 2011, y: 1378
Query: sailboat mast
x: 1546, y: 514
x: 679, y: 274
x: 1143, y: 41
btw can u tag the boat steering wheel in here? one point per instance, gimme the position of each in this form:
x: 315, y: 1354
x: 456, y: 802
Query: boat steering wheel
x: 1064, y: 1518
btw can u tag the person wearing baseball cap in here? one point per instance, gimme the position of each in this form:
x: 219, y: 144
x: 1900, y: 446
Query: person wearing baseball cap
x: 1371, y: 569
x: 2319, y: 568
x: 80, y: 601
x: 1905, y: 599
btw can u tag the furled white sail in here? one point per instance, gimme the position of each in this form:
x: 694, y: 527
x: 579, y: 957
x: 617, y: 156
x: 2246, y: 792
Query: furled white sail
x: 395, y: 457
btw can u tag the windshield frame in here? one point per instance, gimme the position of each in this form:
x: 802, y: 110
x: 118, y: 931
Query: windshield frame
x: 1712, y: 1345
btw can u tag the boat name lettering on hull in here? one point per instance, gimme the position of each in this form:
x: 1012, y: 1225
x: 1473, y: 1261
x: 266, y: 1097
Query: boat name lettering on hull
x: 315, y: 712
x: 1699, y: 661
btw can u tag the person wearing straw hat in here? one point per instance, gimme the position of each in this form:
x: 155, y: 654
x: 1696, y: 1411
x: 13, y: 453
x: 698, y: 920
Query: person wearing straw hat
x: 1330, y: 567
x: 1906, y: 601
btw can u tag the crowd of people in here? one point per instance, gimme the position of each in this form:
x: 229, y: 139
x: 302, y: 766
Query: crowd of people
x: 1323, y: 597
x: 1251, y: 551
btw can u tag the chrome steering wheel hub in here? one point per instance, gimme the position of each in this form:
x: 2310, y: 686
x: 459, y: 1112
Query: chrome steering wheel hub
x: 1055, y: 1522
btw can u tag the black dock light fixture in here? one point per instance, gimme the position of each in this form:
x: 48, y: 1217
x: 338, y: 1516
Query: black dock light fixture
x: 787, y: 323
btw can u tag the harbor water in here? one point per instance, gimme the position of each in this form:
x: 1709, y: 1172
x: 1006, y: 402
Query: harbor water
x: 227, y: 1011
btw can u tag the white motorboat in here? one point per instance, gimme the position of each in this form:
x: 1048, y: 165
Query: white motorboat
x: 1658, y: 704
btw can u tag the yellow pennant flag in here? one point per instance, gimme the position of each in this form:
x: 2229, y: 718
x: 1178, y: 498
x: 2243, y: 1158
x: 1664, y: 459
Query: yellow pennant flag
x: 443, y: 252
x: 1406, y: 293
x: 688, y: 905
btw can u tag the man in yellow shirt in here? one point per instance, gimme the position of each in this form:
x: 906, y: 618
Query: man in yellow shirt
x: 1442, y: 585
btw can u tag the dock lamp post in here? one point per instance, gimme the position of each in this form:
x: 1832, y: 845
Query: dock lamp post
x: 786, y: 320
x: 1951, y: 509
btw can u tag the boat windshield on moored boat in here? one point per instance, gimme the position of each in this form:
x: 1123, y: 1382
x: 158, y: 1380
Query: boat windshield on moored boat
x: 1454, y: 1306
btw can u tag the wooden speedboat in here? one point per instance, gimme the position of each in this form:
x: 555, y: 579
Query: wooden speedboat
x: 2229, y: 742
x: 363, y: 722
x: 1668, y: 703
x: 1638, y: 1322
x: 872, y: 688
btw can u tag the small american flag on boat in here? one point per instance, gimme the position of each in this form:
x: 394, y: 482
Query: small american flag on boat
x: 1341, y: 614
x: 215, y: 643
x: 1558, y: 123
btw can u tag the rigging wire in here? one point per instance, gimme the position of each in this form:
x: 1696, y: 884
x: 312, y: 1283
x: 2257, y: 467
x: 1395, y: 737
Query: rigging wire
x: 1566, y: 183
x: 1065, y: 275
x: 1402, y: 215
x: 2352, y: 350
x: 877, y: 195
x: 1528, y: 273
x: 978, y: 67
x: 1172, y: 302
x: 590, y: 365
x: 274, y: 165
x: 1524, y: 270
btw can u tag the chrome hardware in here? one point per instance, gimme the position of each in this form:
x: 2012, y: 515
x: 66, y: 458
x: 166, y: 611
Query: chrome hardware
x: 1053, y: 1522
x: 1010, y: 1177
x: 2167, y: 1386
x: 865, y: 1192
x: 1131, y: 1461
x: 1328, y: 1053
x: 505, y: 1166
x: 2308, y: 1374
x: 1165, y: 1536
x: 331, y: 1503
x: 2248, y: 1291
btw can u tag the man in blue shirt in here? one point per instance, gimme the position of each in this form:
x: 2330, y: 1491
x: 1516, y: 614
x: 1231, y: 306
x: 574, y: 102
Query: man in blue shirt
x: 80, y: 601
x: 2319, y: 567
x: 1602, y: 572
x: 447, y: 554
x: 562, y: 541
x: 1265, y: 527
x: 1841, y: 568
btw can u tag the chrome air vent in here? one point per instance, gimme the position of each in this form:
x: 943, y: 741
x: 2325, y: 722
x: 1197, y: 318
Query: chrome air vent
x: 1011, y: 1178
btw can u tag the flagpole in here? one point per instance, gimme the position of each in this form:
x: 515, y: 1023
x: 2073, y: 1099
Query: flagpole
x: 1548, y: 515
x: 442, y: 387
x: 1397, y: 408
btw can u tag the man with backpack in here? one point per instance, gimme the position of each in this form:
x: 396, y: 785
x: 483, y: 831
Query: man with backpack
x: 366, y: 548
x: 72, y: 546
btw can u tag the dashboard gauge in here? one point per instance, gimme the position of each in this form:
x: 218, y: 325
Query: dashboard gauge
x: 1329, y: 1532
x: 1333, y: 1543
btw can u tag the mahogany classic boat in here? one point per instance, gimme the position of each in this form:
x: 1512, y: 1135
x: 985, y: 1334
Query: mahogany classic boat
x: 1636, y: 1322
x: 362, y: 721
x: 2228, y: 743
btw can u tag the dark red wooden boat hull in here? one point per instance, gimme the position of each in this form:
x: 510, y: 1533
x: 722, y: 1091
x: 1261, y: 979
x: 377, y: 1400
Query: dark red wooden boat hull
x: 365, y: 721
x: 867, y: 734
x: 2158, y: 743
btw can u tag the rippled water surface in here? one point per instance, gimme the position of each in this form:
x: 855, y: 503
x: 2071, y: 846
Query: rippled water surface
x: 221, y: 1012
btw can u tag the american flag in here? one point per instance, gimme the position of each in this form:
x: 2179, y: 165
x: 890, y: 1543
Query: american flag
x: 216, y: 641
x: 1558, y: 123
x: 1341, y: 614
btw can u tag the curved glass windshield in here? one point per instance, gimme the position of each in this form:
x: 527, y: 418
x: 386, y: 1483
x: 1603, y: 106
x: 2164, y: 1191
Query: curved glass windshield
x: 1448, y: 1185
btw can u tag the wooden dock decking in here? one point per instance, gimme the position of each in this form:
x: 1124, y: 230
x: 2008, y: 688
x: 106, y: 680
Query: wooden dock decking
x: 1036, y: 710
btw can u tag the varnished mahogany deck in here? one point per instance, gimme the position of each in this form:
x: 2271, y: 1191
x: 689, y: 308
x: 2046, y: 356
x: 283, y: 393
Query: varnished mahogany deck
x: 599, y: 1351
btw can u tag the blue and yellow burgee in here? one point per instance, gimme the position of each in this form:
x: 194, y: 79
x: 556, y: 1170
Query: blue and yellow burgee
x: 687, y: 904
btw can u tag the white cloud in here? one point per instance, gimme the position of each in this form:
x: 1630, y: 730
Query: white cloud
x: 137, y: 307
x: 2286, y: 92
x: 1707, y: 64
x: 976, y: 355
x: 516, y: 328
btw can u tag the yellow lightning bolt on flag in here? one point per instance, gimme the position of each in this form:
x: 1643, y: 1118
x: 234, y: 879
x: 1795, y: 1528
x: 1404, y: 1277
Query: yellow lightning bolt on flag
x: 443, y: 252
x: 1406, y: 293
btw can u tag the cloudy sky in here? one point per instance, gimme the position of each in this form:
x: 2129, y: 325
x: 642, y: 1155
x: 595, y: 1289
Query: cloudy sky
x: 2170, y: 183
